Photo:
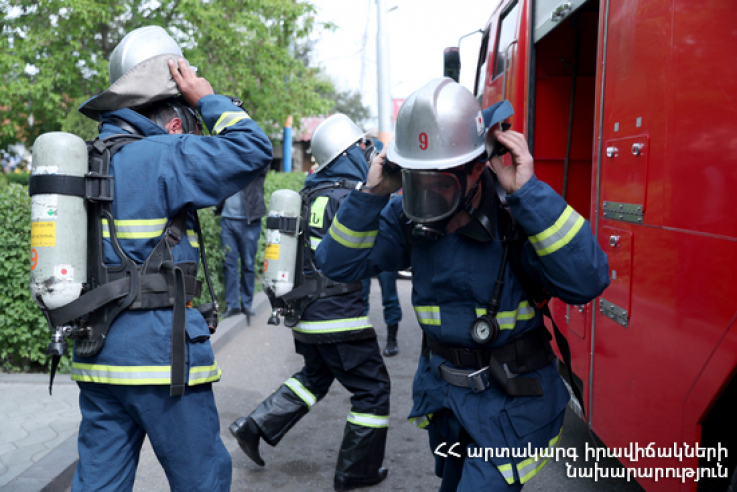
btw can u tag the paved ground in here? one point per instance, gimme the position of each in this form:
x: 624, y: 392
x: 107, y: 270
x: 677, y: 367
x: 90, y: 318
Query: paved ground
x: 255, y: 360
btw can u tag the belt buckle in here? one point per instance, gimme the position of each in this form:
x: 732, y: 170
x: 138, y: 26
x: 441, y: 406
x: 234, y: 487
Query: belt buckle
x: 478, y: 381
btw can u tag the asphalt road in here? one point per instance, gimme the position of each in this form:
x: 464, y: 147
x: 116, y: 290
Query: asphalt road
x: 261, y: 357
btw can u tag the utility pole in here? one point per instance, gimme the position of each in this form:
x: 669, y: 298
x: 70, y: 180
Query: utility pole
x: 382, y: 70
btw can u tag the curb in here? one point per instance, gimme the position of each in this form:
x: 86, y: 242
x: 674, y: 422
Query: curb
x: 55, y: 471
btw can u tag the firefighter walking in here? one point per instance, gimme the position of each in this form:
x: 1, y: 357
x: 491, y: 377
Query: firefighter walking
x: 333, y: 334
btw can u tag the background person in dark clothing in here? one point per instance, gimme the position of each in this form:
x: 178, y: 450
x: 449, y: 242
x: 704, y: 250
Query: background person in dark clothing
x: 240, y: 229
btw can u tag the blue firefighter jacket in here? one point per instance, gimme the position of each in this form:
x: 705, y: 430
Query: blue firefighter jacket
x: 453, y: 279
x: 336, y: 318
x: 155, y: 178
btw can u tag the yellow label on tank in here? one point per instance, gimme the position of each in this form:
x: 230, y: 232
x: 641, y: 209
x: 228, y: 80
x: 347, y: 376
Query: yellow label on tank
x: 271, y: 252
x: 43, y: 234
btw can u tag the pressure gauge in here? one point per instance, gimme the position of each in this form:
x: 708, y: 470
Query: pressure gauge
x: 484, y: 329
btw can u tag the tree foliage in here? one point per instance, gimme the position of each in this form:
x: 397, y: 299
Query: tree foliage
x: 54, y: 55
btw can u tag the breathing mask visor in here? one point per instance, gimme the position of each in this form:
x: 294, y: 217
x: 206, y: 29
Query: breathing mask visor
x: 431, y: 196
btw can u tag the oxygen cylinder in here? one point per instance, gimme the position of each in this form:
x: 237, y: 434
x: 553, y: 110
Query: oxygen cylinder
x: 58, y: 224
x: 280, y: 254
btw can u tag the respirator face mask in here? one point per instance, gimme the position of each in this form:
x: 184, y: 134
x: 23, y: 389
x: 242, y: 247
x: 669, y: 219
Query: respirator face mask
x: 431, y: 196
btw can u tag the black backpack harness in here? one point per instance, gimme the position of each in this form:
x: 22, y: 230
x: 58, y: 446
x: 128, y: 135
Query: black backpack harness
x: 312, y: 285
x: 110, y: 289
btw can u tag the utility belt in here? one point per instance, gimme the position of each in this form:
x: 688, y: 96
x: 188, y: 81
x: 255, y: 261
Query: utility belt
x: 525, y: 353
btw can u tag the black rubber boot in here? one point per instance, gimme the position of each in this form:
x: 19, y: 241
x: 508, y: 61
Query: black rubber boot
x: 271, y: 420
x: 391, y: 341
x: 360, y: 458
x: 248, y: 436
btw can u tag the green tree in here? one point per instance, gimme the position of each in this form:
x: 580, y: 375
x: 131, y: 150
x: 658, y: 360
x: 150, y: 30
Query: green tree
x: 54, y: 55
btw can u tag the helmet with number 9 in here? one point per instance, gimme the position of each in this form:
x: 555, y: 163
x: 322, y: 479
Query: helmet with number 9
x: 439, y: 126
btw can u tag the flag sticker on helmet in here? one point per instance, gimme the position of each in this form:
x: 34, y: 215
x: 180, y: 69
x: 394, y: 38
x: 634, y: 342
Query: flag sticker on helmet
x: 480, y: 123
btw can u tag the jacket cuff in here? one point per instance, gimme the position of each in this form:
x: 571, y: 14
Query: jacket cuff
x: 536, y: 206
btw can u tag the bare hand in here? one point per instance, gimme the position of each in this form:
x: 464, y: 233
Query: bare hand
x: 379, y: 182
x: 193, y: 88
x: 513, y: 177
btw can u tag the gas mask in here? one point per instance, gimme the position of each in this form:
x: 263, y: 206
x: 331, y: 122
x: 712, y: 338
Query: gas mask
x: 431, y: 198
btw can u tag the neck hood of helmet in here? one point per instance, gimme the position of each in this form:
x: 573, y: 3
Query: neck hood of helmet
x: 148, y: 82
x: 351, y: 165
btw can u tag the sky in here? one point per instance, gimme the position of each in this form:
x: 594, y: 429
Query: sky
x: 418, y: 32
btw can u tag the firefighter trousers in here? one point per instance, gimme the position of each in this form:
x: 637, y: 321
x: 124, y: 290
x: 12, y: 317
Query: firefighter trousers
x: 359, y: 367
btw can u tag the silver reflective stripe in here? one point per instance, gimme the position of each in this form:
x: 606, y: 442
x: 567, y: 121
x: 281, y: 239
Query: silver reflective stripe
x: 314, y: 242
x: 428, y: 315
x: 192, y: 238
x: 421, y: 422
x: 333, y: 326
x: 228, y: 119
x: 135, y: 229
x: 529, y: 468
x: 369, y: 420
x: 204, y: 374
x: 130, y: 375
x: 559, y: 234
x: 352, y: 239
x: 507, y: 472
x: 139, y: 375
x: 299, y: 390
x: 508, y: 319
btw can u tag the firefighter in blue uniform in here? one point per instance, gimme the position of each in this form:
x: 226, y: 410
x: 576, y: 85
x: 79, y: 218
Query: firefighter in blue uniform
x: 125, y: 387
x: 481, y: 382
x: 333, y: 335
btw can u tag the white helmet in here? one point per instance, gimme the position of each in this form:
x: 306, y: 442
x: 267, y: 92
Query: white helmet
x: 439, y: 126
x: 140, y: 45
x: 332, y: 137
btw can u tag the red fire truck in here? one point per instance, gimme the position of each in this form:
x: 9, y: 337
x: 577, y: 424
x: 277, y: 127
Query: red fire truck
x: 630, y: 110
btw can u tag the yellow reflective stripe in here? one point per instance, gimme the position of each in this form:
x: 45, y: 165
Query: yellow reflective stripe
x: 135, y: 229
x: 352, y: 239
x: 421, y: 422
x: 529, y: 468
x: 192, y: 238
x: 317, y: 211
x: 508, y: 319
x: 303, y: 393
x: 559, y: 234
x: 369, y: 420
x: 140, y: 375
x: 428, y: 315
x: 227, y: 119
x: 333, y: 325
x: 507, y: 472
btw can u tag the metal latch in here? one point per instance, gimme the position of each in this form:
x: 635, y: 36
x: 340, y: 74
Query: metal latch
x: 478, y: 381
x: 611, y: 151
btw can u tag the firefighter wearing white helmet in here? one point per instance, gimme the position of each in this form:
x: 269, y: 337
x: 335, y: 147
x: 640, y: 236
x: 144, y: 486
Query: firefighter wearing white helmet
x: 481, y: 243
x: 146, y: 368
x: 332, y: 333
